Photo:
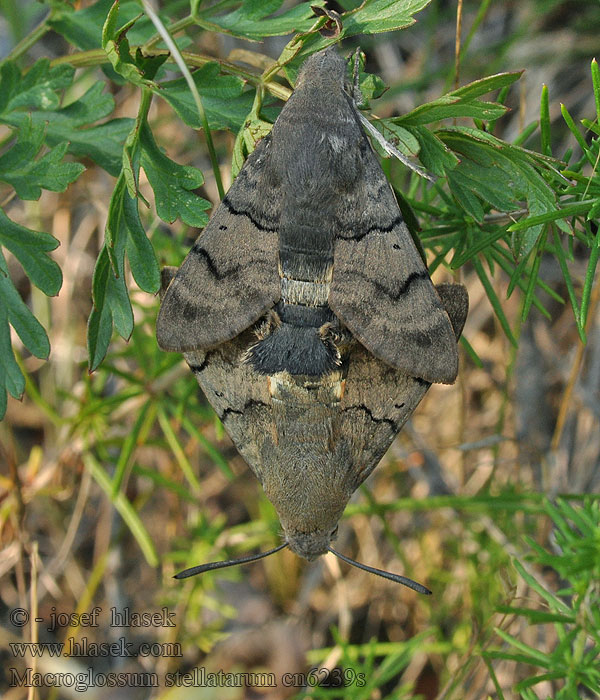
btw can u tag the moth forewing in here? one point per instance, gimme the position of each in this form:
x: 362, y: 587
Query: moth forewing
x: 229, y: 278
x: 381, y: 290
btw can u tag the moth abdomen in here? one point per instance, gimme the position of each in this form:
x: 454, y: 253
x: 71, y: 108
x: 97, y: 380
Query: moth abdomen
x: 300, y: 341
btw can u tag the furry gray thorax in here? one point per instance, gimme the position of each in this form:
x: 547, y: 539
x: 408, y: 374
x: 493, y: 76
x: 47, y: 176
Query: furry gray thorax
x: 315, y: 164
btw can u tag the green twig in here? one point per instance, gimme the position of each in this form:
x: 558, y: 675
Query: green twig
x: 172, y: 29
x: 176, y: 53
x: 28, y: 41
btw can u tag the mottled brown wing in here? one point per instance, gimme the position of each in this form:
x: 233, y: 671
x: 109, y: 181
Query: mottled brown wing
x: 230, y: 278
x: 239, y: 396
x: 381, y: 289
x: 379, y: 399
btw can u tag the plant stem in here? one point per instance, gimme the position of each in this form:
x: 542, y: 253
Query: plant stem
x: 172, y: 29
x: 97, y: 57
x: 28, y: 41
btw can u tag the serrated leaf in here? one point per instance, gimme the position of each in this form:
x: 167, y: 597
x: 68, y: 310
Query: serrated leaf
x: 251, y: 19
x: 172, y: 184
x: 124, y: 221
x: 30, y: 247
x: 375, y: 16
x: 36, y: 89
x: 28, y: 328
x: 19, y: 167
x: 102, y: 143
x: 111, y: 305
x: 225, y: 103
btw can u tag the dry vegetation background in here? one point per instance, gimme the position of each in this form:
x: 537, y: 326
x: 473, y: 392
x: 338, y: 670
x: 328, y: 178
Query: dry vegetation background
x: 480, y: 452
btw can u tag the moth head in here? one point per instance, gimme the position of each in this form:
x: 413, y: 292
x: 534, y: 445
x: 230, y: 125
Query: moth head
x: 311, y: 545
x: 323, y: 69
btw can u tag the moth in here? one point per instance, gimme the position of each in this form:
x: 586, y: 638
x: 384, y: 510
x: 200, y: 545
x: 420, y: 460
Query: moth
x: 306, y: 312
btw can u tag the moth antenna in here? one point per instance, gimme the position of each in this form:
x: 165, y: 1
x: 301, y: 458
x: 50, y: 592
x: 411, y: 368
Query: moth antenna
x: 391, y: 149
x: 202, y: 568
x: 355, y: 75
x: 408, y: 582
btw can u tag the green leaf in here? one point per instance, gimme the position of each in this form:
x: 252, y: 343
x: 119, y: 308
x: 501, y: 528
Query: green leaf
x: 494, y: 301
x: 28, y: 328
x: 465, y: 197
x: 149, y: 64
x: 537, y: 616
x: 590, y: 275
x: 433, y: 153
x: 371, y: 87
x: 124, y: 224
x: 111, y: 306
x: 172, y: 184
x: 11, y: 378
x: 545, y: 122
x: 116, y: 45
x: 375, y: 16
x: 485, y: 85
x: 36, y: 89
x: 596, y: 86
x: 245, y: 142
x: 223, y: 97
x: 15, y: 312
x: 577, y: 134
x: 402, y: 138
x: 83, y: 28
x: 124, y: 234
x: 27, y: 175
x: 562, y: 261
x: 568, y: 210
x: 515, y: 179
x: 103, y: 143
x: 533, y: 276
x: 109, y: 291
x: 251, y: 19
x: 30, y: 248
x: 124, y: 508
x: 451, y: 106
